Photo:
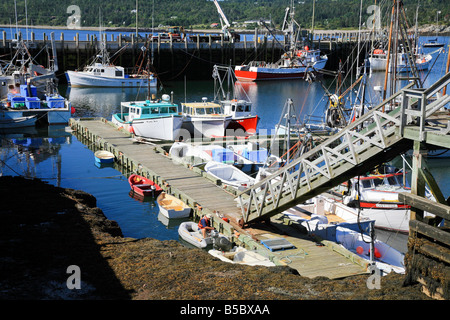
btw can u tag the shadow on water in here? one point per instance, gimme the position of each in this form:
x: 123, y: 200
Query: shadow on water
x: 40, y: 241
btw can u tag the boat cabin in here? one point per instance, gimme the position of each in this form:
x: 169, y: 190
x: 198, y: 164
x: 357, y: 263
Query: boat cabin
x: 102, y: 70
x: 202, y: 109
x: 149, y: 109
x: 237, y: 108
x: 388, y: 181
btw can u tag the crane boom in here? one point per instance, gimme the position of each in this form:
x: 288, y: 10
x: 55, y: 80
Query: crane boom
x: 224, y: 18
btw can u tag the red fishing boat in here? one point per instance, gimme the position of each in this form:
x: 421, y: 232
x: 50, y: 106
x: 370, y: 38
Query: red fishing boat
x: 144, y: 186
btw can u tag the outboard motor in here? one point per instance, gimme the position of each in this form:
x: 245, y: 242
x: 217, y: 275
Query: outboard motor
x: 220, y: 243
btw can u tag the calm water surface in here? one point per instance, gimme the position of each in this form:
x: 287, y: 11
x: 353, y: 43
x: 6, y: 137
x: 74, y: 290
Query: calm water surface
x: 55, y: 155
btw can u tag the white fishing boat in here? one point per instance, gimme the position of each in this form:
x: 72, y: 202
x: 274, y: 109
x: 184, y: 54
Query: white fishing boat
x: 375, y: 195
x: 155, y: 119
x: 204, y: 119
x: 229, y: 175
x: 328, y: 219
x: 240, y: 255
x: 101, y: 72
x: 378, y: 61
x: 171, y: 207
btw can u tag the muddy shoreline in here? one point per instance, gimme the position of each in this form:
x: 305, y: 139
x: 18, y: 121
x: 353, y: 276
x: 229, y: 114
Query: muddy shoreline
x: 46, y: 229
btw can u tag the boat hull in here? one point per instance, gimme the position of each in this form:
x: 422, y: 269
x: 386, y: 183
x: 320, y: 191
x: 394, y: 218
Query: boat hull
x: 207, y: 127
x: 82, y: 79
x: 103, y: 156
x: 171, y: 207
x: 247, y: 124
x: 143, y: 186
x: 163, y: 128
x: 278, y: 73
x: 190, y: 233
x: 229, y: 175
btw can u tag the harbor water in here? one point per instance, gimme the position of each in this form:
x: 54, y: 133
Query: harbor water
x: 54, y: 155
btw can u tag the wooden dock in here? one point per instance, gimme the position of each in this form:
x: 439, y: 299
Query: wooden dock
x: 174, y: 59
x: 205, y: 195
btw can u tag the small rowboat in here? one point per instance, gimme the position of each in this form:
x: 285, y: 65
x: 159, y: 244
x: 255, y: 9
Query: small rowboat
x: 172, y: 207
x: 144, y: 186
x: 103, y: 156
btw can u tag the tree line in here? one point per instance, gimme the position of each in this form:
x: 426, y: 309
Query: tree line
x: 329, y: 14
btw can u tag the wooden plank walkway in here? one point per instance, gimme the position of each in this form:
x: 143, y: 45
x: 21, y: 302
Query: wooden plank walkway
x: 307, y: 258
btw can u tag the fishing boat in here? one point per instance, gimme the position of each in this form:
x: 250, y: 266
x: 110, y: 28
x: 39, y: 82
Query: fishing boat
x: 156, y: 118
x: 243, y: 119
x: 191, y: 233
x: 328, y: 219
x: 144, y: 186
x: 50, y: 108
x: 101, y: 72
x: 171, y: 207
x: 17, y: 122
x: 22, y: 69
x: 295, y: 63
x: 103, y: 156
x: 229, y: 175
x: 204, y: 119
x: 240, y: 255
x: 378, y: 61
x: 433, y: 43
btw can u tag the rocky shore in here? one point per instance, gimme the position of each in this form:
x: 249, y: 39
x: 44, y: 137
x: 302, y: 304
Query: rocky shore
x: 45, y: 229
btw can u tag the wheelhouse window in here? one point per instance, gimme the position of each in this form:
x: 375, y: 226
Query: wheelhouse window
x: 164, y: 109
x: 119, y: 73
x: 173, y: 109
x: 199, y: 111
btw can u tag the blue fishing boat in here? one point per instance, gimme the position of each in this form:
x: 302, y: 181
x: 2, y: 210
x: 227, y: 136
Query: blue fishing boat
x: 154, y: 119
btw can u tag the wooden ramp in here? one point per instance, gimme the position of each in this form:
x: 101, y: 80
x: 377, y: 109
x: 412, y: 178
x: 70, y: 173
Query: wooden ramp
x: 308, y: 258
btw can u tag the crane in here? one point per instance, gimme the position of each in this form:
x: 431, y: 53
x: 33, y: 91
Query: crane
x: 224, y: 21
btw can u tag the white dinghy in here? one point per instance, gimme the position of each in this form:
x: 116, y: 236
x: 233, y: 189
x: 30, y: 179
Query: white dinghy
x: 229, y: 175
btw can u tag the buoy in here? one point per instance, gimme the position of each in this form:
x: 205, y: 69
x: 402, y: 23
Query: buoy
x: 72, y: 110
x: 377, y: 253
x: 131, y: 129
x: 359, y: 250
x: 306, y: 48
